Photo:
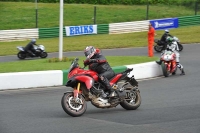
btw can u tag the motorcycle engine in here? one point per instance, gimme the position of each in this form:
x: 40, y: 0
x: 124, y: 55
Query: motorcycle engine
x: 97, y: 92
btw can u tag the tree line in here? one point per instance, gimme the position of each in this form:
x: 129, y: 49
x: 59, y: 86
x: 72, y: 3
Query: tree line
x: 110, y: 2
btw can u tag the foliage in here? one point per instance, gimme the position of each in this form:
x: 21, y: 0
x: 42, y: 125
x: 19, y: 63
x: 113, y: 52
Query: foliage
x: 124, y: 2
x: 64, y: 59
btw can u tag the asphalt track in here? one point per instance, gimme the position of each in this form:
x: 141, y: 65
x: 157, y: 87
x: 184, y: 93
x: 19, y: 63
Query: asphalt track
x: 108, y: 52
x: 169, y: 105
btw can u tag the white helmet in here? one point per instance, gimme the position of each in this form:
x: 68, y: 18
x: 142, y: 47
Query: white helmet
x: 166, y: 31
x: 89, y: 51
x: 33, y: 40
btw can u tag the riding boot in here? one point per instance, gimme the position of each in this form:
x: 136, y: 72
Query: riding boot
x: 159, y: 62
x: 31, y: 53
x: 181, y: 68
x: 182, y: 72
x: 108, y: 87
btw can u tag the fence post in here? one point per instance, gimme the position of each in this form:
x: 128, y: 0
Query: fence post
x: 36, y: 14
x: 95, y: 14
x: 147, y: 15
x: 196, y: 6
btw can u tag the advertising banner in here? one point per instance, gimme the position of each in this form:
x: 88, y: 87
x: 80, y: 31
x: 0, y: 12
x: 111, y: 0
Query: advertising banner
x: 80, y: 30
x: 161, y: 24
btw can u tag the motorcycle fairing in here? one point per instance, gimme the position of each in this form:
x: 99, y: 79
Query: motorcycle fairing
x: 72, y: 82
x: 115, y: 79
x: 20, y: 48
x: 120, y: 76
x: 89, y: 82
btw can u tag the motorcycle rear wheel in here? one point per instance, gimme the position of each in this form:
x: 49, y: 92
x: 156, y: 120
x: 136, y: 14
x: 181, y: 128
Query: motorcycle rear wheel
x: 164, y: 69
x: 132, y: 101
x: 71, y: 107
x: 43, y: 55
x: 157, y: 48
x: 21, y: 55
x: 180, y: 47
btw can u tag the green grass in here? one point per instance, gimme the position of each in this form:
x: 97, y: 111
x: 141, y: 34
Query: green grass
x: 43, y: 64
x: 103, y: 41
x: 22, y: 15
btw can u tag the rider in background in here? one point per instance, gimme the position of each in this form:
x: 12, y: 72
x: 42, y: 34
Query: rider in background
x: 173, y: 46
x: 29, y: 47
x: 98, y: 63
x: 164, y: 39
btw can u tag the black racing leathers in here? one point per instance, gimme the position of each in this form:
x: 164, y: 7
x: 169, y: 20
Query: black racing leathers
x: 99, y: 64
x: 29, y: 48
x: 163, y: 40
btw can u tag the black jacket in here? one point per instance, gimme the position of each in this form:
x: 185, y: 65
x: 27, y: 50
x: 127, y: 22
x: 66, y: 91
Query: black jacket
x: 29, y: 46
x: 164, y: 37
x: 100, y: 65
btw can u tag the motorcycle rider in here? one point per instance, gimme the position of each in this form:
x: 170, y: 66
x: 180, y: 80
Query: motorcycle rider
x: 29, y: 47
x: 98, y: 63
x: 173, y: 46
x: 163, y: 39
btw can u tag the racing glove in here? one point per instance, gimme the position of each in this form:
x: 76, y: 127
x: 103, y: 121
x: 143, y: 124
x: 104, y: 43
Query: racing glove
x: 88, y: 61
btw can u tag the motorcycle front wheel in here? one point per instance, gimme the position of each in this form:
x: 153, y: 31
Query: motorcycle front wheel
x: 164, y: 69
x: 73, y: 107
x: 132, y: 100
x: 43, y: 55
x: 21, y: 55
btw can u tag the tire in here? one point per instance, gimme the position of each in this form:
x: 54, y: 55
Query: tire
x: 21, y: 55
x: 71, y: 108
x: 180, y: 47
x: 128, y: 102
x: 157, y: 48
x: 164, y: 69
x: 43, y: 55
x: 174, y: 73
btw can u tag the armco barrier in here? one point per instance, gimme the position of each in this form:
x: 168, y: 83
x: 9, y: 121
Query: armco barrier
x: 20, y: 34
x: 189, y: 20
x: 128, y: 27
x: 58, y: 77
x: 102, y: 29
x: 50, y: 32
x: 112, y: 28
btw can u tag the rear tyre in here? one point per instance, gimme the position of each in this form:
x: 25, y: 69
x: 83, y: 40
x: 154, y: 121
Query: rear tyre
x: 174, y: 73
x: 43, y: 55
x: 157, y: 48
x: 180, y: 47
x: 71, y: 107
x: 132, y: 100
x: 164, y: 69
x: 21, y: 55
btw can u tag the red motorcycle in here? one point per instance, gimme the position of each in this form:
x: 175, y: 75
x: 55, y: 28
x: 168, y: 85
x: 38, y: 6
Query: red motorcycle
x: 86, y: 87
x: 168, y: 63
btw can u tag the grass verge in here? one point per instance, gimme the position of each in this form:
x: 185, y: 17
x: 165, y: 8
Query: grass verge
x: 44, y: 64
x: 22, y: 15
x: 103, y: 41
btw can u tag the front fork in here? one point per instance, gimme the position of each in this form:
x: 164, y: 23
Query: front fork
x: 76, y: 91
x: 168, y: 65
x: 173, y: 66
